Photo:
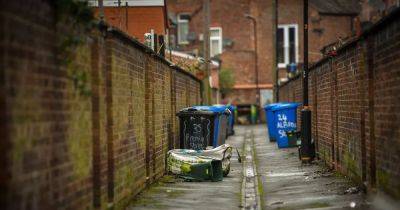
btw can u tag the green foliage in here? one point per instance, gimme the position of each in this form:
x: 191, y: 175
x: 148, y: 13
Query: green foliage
x: 226, y: 80
x: 80, y: 79
x: 76, y: 12
x: 75, y: 20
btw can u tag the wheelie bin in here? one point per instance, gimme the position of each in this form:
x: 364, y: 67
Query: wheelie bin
x: 285, y: 119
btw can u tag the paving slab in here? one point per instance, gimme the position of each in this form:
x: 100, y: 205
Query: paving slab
x: 278, y: 180
x: 289, y: 184
x: 172, y: 193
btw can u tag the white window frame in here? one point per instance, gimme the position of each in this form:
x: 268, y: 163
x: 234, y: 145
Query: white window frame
x: 219, y: 38
x: 179, y: 20
x: 285, y: 28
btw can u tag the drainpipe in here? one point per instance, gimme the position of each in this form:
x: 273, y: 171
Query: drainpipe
x: 275, y: 69
x: 253, y: 19
x: 101, y: 9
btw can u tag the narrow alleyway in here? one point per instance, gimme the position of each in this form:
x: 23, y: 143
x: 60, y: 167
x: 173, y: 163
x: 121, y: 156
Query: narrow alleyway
x: 288, y: 184
x: 267, y: 178
x: 171, y: 193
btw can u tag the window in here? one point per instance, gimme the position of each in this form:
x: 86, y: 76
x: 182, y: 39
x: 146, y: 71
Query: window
x: 215, y: 41
x: 287, y: 38
x: 183, y: 28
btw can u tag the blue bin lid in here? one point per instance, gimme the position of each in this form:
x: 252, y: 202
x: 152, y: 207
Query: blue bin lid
x: 285, y: 106
x: 227, y: 106
x: 232, y: 107
x: 215, y: 109
x: 220, y: 105
x: 220, y: 108
x: 270, y: 106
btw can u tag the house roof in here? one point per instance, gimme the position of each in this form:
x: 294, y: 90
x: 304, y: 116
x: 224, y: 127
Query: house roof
x: 337, y: 7
x: 184, y: 60
x: 214, y: 64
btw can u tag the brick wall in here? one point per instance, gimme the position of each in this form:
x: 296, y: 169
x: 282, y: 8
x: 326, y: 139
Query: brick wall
x: 355, y: 107
x: 324, y: 28
x: 136, y: 21
x: 85, y: 134
x: 240, y: 56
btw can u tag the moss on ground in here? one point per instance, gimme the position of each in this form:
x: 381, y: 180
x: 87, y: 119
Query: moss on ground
x: 384, y: 182
x: 157, y: 189
x: 260, y: 188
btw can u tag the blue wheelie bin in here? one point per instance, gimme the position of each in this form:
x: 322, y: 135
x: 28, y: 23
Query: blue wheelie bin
x: 228, y: 119
x: 285, y: 119
x: 231, y: 118
x: 270, y: 117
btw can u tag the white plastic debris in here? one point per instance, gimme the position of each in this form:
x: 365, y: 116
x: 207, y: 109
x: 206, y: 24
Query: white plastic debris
x: 352, y: 204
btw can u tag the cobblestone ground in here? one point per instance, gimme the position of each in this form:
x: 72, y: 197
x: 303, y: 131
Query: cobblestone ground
x: 267, y: 178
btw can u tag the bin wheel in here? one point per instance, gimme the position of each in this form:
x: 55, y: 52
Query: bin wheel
x: 227, y: 171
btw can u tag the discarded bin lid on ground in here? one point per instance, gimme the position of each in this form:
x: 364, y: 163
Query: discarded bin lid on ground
x: 200, y: 165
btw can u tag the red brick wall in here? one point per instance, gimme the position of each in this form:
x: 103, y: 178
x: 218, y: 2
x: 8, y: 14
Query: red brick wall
x: 239, y: 57
x: 324, y: 29
x: 85, y: 133
x: 355, y: 107
x: 136, y: 21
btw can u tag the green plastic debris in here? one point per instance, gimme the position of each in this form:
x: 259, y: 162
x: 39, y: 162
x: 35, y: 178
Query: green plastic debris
x: 200, y: 165
x: 253, y: 114
x: 294, y: 138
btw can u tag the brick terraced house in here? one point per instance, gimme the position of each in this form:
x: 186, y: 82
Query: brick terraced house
x: 232, y: 38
